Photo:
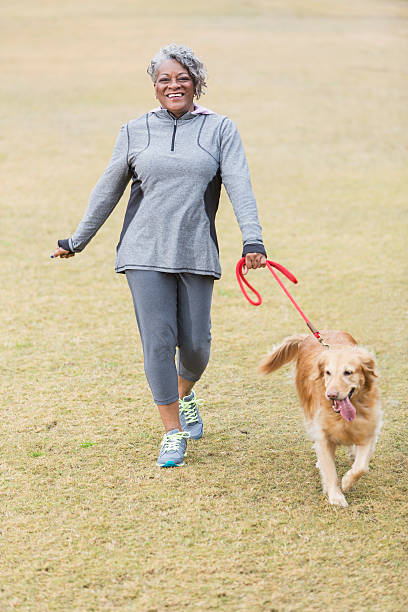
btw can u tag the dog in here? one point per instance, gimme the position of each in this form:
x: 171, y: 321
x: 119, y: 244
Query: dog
x: 338, y: 390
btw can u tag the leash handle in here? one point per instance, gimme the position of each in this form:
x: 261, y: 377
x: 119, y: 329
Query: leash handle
x: 241, y: 279
x: 270, y: 264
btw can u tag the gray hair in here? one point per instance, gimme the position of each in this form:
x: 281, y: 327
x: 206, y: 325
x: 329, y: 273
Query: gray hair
x: 184, y: 56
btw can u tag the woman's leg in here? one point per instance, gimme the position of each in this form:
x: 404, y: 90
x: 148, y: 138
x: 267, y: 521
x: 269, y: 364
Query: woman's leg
x: 170, y: 416
x: 155, y: 301
x: 184, y: 387
x: 194, y: 340
x: 194, y: 328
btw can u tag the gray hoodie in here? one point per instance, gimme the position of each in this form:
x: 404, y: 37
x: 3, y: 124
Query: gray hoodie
x: 177, y: 167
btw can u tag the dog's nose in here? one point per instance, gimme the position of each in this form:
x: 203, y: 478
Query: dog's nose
x: 332, y: 394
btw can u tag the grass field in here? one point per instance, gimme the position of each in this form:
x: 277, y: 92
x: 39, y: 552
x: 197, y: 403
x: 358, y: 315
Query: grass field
x: 319, y: 91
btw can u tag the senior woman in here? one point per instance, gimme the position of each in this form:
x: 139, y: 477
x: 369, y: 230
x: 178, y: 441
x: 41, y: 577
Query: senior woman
x: 177, y: 156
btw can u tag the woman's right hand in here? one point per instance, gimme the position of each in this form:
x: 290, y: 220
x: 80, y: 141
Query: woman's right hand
x: 59, y: 252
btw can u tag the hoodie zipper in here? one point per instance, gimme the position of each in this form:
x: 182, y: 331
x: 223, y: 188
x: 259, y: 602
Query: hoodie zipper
x: 174, y: 135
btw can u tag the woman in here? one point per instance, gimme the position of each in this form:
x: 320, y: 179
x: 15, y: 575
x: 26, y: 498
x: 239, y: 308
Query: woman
x: 177, y: 156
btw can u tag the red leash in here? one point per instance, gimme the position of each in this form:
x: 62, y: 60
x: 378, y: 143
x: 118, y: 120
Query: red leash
x: 271, y: 265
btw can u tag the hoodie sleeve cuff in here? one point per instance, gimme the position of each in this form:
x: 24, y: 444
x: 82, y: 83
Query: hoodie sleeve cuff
x: 64, y: 244
x: 253, y: 248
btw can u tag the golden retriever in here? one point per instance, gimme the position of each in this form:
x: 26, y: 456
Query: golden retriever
x: 340, y: 398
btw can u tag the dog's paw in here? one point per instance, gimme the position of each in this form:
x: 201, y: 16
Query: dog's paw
x: 337, y: 499
x: 347, y: 481
x: 350, y: 478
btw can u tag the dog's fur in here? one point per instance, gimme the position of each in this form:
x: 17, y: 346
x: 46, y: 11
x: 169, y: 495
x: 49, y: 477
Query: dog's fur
x: 322, y: 372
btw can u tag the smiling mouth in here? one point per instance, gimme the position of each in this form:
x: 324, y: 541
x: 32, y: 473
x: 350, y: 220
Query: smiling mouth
x: 176, y: 95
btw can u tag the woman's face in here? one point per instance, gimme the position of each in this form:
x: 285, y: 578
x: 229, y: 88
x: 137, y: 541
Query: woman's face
x: 174, y: 88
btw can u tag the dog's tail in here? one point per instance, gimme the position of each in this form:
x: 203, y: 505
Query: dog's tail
x: 284, y: 353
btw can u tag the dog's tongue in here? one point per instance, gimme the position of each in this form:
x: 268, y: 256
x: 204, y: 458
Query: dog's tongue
x: 347, y: 410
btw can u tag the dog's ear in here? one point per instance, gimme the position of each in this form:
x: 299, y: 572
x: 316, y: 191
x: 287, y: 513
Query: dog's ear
x: 319, y: 367
x: 368, y: 364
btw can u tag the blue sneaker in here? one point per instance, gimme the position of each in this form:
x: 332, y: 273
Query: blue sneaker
x: 173, y: 449
x: 190, y: 419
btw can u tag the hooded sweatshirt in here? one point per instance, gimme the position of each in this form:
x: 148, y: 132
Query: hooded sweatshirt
x: 176, y: 167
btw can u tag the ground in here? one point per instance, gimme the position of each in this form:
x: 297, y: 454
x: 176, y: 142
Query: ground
x: 319, y: 92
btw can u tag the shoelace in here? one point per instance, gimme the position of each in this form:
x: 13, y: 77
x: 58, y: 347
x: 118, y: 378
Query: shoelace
x: 189, y: 409
x: 171, y: 442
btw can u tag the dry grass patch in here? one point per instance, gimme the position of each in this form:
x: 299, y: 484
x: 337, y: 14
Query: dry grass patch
x: 318, y: 90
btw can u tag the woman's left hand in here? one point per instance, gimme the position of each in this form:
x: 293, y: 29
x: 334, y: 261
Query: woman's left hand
x: 253, y: 260
x: 62, y: 253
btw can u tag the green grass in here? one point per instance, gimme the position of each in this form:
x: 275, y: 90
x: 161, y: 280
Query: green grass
x: 319, y: 92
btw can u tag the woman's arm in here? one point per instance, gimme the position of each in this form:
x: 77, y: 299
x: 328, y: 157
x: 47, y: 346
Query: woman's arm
x: 237, y: 182
x: 104, y: 197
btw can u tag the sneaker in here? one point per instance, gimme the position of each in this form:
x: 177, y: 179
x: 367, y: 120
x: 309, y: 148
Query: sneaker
x: 173, y: 448
x: 190, y: 419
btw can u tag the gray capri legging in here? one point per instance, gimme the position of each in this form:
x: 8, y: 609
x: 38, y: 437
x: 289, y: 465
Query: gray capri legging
x: 172, y: 310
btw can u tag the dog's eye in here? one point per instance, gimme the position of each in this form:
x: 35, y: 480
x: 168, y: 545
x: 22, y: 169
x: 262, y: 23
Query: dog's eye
x: 328, y: 373
x: 347, y: 372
